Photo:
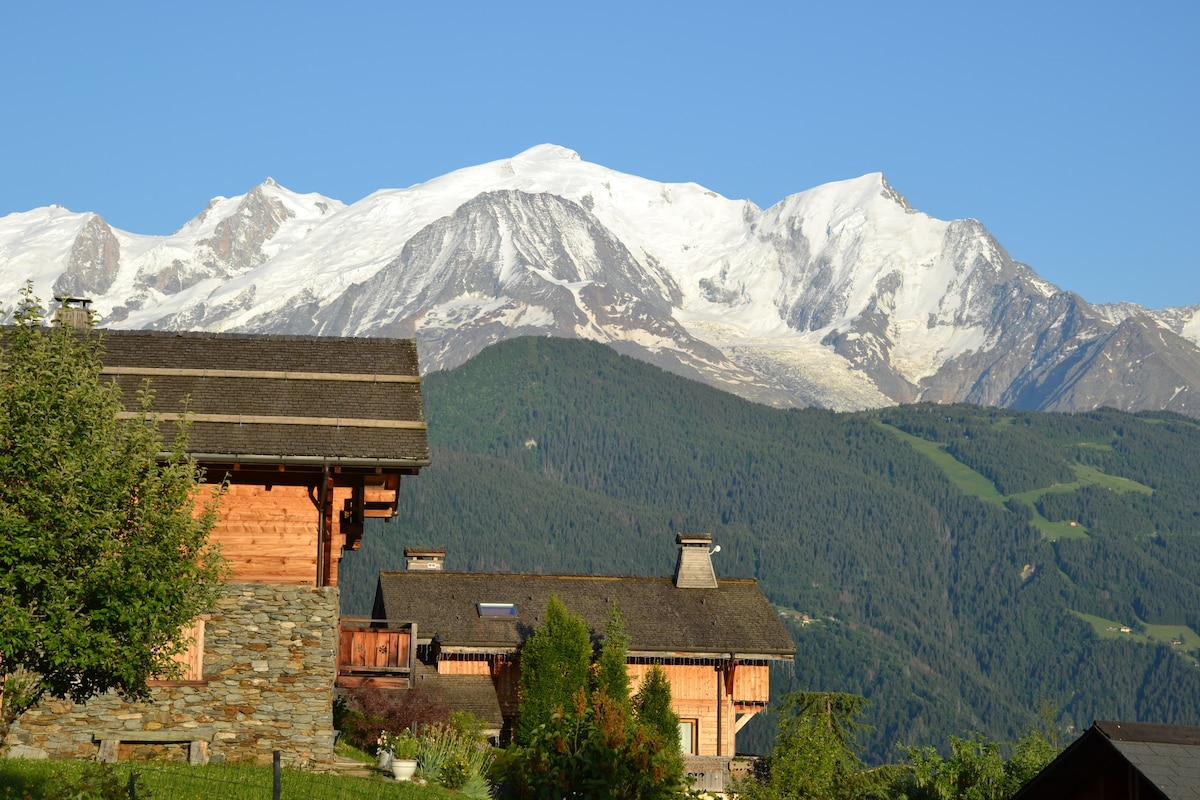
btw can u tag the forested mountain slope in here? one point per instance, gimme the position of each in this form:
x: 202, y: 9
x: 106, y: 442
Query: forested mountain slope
x: 958, y: 565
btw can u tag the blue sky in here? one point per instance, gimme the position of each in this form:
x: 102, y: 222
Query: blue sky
x: 1069, y: 129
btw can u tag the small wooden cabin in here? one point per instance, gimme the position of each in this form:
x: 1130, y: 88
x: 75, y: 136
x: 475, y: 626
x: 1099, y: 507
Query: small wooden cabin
x: 714, y: 638
x: 311, y: 436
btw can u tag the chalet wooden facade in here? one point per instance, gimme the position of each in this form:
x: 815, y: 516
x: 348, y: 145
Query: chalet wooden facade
x: 310, y: 436
x: 714, y: 638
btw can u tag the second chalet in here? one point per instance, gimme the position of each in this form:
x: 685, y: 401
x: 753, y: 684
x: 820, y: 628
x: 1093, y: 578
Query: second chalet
x: 714, y: 639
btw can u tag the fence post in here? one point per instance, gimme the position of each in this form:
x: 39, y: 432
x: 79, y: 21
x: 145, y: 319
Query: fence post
x: 277, y: 793
x: 132, y: 785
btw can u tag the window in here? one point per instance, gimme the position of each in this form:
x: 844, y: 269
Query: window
x: 498, y: 610
x: 687, y: 736
x: 190, y: 660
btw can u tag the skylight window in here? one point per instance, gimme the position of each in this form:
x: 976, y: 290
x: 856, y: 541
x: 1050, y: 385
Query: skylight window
x: 498, y: 610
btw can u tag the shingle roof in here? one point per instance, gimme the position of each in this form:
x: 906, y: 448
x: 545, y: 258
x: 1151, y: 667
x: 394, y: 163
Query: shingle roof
x: 474, y: 693
x: 292, y: 399
x: 1167, y: 755
x: 1131, y: 758
x: 734, y: 618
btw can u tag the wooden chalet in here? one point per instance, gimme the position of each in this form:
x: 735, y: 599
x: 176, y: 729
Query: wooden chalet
x: 713, y: 638
x: 310, y: 436
x: 1123, y: 761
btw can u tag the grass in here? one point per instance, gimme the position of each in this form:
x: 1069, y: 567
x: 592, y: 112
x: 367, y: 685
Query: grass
x: 1146, y: 634
x: 20, y: 778
x: 976, y: 485
x: 966, y: 479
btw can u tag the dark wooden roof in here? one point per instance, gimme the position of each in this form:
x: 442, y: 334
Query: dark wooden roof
x: 661, y: 620
x: 280, y: 399
x: 1124, y: 759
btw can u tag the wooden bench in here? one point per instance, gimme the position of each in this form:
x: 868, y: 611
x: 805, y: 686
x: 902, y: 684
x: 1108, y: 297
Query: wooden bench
x: 197, y: 740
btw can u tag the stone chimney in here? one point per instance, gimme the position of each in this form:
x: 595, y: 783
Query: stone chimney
x: 72, y: 312
x: 694, y: 569
x: 424, y: 559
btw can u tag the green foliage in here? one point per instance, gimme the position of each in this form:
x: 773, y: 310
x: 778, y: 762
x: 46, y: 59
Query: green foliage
x: 364, y: 714
x: 554, y: 666
x: 975, y: 769
x: 455, y: 755
x: 928, y: 591
x: 593, y: 749
x: 612, y: 676
x: 816, y: 750
x: 102, y: 560
x: 652, y: 705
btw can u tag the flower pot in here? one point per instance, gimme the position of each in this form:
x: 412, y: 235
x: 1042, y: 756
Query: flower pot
x: 385, y: 760
x: 403, y: 768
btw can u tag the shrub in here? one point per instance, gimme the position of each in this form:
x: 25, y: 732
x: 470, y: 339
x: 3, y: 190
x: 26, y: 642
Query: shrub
x: 369, y: 712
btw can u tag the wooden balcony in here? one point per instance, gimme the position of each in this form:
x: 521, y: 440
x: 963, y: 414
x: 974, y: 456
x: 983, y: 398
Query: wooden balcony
x: 375, y: 653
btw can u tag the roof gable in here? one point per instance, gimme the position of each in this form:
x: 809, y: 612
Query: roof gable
x: 1155, y: 761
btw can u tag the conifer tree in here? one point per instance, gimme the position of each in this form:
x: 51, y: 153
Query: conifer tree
x: 612, y: 673
x: 554, y: 666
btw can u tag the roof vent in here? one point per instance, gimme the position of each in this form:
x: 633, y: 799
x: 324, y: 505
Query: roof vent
x: 72, y: 312
x: 424, y: 559
x: 694, y: 568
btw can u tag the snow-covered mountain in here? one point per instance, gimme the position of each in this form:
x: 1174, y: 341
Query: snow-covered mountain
x: 842, y: 296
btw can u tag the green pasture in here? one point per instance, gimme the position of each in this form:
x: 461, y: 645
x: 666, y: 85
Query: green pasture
x: 1146, y: 634
x: 976, y: 485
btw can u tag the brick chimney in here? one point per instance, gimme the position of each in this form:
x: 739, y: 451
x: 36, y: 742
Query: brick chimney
x: 72, y: 312
x: 694, y: 569
x: 424, y: 559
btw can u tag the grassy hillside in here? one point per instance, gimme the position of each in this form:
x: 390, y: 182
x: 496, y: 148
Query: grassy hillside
x: 950, y: 559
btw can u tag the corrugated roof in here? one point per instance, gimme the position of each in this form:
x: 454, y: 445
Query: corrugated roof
x: 285, y: 399
x: 660, y: 619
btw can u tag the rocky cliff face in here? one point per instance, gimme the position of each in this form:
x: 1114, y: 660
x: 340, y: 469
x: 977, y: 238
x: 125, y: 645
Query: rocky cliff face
x: 842, y: 296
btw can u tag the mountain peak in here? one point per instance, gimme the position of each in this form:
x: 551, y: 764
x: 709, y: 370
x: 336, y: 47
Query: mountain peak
x: 548, y: 152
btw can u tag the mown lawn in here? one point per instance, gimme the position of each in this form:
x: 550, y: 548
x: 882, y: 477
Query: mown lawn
x: 21, y: 779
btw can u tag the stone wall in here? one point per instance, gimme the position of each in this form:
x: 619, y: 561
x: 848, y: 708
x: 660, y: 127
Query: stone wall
x: 270, y: 654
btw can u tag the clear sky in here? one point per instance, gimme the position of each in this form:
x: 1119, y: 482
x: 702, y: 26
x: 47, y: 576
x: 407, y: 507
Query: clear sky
x: 1068, y: 128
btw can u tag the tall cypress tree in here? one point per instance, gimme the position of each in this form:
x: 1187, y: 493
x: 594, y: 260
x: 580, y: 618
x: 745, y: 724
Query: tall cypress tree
x: 612, y: 675
x: 554, y: 666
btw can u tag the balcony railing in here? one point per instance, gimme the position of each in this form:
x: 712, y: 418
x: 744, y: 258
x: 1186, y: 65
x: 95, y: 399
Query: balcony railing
x: 375, y: 652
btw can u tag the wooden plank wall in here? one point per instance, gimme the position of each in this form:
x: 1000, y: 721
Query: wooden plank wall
x: 269, y: 535
x: 751, y: 683
x: 694, y: 690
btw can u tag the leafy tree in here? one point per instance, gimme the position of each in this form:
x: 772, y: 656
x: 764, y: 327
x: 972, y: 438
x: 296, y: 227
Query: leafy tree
x: 554, y: 666
x: 103, y: 554
x: 593, y: 749
x: 816, y: 751
x: 975, y: 769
